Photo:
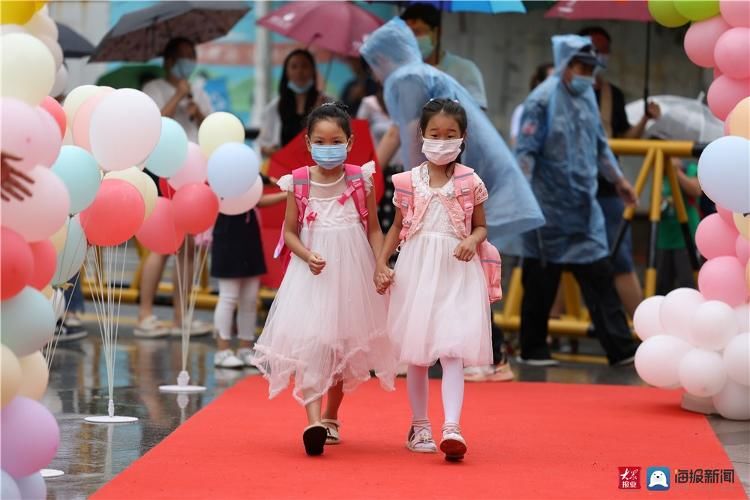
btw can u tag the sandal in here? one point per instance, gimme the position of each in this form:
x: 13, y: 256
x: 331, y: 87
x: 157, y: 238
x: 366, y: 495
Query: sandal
x: 420, y: 438
x: 332, y: 430
x: 314, y: 438
x: 453, y: 443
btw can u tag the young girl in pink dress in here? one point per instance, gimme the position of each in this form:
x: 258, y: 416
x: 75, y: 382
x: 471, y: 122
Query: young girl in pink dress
x: 439, y: 307
x: 326, y: 327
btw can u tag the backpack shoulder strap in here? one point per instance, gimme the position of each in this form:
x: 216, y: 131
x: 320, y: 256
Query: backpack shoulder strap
x: 301, y: 190
x: 355, y: 188
x: 463, y: 183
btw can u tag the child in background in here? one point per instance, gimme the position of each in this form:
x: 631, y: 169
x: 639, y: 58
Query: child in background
x: 326, y: 328
x: 237, y: 261
x: 439, y: 307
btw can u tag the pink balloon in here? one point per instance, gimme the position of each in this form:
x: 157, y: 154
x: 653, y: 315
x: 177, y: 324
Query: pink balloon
x: 244, y: 202
x: 45, y: 263
x: 159, y: 232
x: 723, y: 278
x: 30, y: 437
x: 725, y: 214
x: 51, y: 106
x: 24, y: 138
x: 715, y: 237
x: 195, y: 207
x: 717, y: 73
x: 193, y: 170
x: 125, y: 128
x: 51, y: 139
x: 742, y: 248
x: 732, y: 53
x: 16, y: 263
x: 40, y: 216
x: 735, y: 12
x: 115, y: 215
x: 724, y: 94
x: 82, y: 119
x: 701, y: 38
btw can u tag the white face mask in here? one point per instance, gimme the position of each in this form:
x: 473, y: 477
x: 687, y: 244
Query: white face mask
x: 441, y: 152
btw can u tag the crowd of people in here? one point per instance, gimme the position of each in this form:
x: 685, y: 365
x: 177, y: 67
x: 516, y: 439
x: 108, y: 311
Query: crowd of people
x: 553, y: 203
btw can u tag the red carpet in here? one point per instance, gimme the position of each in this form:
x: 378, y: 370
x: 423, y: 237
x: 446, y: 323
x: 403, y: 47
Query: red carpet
x: 526, y: 440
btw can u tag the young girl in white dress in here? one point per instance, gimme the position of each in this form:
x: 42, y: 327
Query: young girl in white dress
x: 439, y: 307
x: 326, y: 327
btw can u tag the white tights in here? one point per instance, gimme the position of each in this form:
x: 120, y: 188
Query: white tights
x: 240, y: 294
x: 417, y: 386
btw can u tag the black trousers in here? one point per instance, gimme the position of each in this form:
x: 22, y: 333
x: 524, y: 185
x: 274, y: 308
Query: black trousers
x: 540, y: 285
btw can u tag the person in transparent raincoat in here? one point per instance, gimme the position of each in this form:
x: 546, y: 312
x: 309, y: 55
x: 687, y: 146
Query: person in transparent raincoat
x: 561, y: 149
x: 394, y: 58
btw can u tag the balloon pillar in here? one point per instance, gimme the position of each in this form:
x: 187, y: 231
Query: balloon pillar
x: 700, y: 339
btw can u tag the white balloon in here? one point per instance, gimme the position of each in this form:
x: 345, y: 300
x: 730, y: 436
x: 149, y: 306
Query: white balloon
x: 647, y: 318
x: 75, y: 99
x: 61, y: 82
x: 42, y: 25
x: 713, y: 325
x: 27, y: 68
x: 743, y: 317
x: 244, y: 202
x: 702, y: 373
x: 32, y: 487
x: 733, y: 402
x: 737, y: 359
x: 70, y: 259
x: 658, y: 358
x: 54, y: 49
x: 8, y: 487
x: 723, y: 172
x: 677, y: 310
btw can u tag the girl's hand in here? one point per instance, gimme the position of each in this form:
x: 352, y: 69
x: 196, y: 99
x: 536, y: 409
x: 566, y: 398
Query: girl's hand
x: 316, y: 263
x: 383, y: 278
x: 466, y: 250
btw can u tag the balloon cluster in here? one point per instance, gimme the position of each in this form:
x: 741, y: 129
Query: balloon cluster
x: 700, y: 340
x: 82, y: 165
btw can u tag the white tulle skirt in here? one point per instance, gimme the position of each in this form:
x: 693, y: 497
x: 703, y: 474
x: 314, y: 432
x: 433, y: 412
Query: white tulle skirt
x: 439, y: 305
x: 325, y: 329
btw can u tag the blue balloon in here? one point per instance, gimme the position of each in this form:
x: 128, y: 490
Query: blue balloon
x: 171, y: 150
x: 70, y: 259
x: 27, y: 322
x: 232, y: 169
x: 9, y: 487
x: 81, y: 175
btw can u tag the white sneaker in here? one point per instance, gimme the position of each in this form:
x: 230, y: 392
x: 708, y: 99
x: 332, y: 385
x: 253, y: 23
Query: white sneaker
x: 151, y: 328
x: 227, y: 359
x: 197, y: 329
x: 246, y: 356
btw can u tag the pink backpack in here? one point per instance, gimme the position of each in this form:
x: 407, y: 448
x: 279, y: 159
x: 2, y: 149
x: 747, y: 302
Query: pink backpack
x: 463, y: 180
x: 355, y: 189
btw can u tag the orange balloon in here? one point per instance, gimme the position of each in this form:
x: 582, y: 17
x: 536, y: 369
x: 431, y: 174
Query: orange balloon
x: 738, y: 121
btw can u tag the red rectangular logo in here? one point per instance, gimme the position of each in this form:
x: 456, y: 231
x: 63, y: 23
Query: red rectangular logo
x: 629, y: 478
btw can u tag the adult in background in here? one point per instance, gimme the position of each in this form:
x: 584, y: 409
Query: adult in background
x: 284, y: 117
x: 615, y: 122
x: 359, y: 87
x: 188, y: 104
x: 561, y: 149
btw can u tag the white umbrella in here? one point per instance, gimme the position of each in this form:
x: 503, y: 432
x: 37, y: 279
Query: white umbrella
x: 682, y: 118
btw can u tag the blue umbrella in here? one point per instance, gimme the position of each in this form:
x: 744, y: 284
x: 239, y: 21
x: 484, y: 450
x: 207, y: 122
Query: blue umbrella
x: 481, y: 6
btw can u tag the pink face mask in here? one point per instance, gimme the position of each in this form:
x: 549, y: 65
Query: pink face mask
x: 441, y: 152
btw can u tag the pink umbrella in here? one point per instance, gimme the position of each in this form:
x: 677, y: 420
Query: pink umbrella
x: 339, y: 27
x: 621, y: 10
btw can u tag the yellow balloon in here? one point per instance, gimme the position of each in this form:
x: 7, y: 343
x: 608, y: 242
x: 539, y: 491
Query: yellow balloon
x: 219, y: 128
x: 10, y: 376
x: 15, y: 12
x: 34, y: 376
x: 142, y: 182
x: 27, y: 68
x: 742, y: 223
x: 39, y: 4
x: 738, y: 121
x: 58, y: 239
x: 74, y: 99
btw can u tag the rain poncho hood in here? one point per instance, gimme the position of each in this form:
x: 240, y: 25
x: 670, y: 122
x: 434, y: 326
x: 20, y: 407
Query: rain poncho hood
x: 409, y: 83
x: 561, y: 148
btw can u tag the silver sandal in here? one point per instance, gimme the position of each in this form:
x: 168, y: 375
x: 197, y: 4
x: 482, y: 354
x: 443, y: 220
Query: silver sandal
x: 420, y: 438
x: 332, y: 430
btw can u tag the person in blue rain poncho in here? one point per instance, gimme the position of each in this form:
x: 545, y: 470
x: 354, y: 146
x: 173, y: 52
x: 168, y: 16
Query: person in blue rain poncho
x: 561, y: 148
x: 394, y: 58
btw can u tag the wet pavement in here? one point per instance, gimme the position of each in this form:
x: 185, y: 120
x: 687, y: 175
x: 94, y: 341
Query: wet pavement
x: 92, y: 454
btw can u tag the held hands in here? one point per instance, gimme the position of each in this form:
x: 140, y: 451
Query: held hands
x: 183, y: 88
x: 383, y: 278
x: 626, y: 192
x: 316, y: 263
x: 466, y: 250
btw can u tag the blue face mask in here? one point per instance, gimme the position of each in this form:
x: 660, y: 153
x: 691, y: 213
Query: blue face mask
x: 579, y: 84
x: 426, y: 48
x: 329, y: 157
x: 183, y: 68
x: 299, y: 89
